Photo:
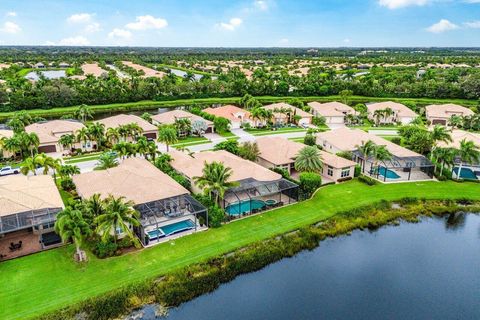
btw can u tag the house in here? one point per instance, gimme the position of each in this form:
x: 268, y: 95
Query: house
x: 166, y: 208
x: 149, y: 130
x: 283, y: 113
x: 258, y: 188
x: 399, y: 113
x: 469, y: 171
x: 404, y: 164
x: 170, y: 117
x: 63, y: 65
x: 278, y: 152
x: 5, y: 134
x: 237, y: 116
x: 39, y: 65
x: 333, y: 112
x: 441, y: 114
x: 50, y: 132
x: 28, y: 210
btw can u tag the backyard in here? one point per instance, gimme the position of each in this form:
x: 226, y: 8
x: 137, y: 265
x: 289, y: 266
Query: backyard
x: 50, y: 280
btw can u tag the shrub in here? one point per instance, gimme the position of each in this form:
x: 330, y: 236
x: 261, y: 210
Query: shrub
x: 228, y: 145
x: 310, y: 140
x: 358, y: 170
x: 319, y: 121
x: 397, y: 140
x: 367, y: 180
x: 221, y: 124
x: 309, y: 182
x: 67, y: 184
x: 105, y: 249
x: 344, y: 179
x: 184, y: 182
x: 346, y: 155
x: 216, y: 216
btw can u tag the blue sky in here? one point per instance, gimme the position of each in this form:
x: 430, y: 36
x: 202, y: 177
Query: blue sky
x: 249, y: 23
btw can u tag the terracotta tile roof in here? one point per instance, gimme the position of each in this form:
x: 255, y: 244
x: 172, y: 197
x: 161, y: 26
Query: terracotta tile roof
x: 284, y: 105
x: 278, y: 150
x: 331, y: 109
x: 169, y: 117
x: 459, y: 135
x: 228, y: 112
x: 124, y: 119
x: 135, y: 179
x: 241, y: 168
x: 446, y: 110
x: 400, y: 109
x: 51, y: 131
x: 347, y: 139
x: 19, y: 193
x: 335, y: 161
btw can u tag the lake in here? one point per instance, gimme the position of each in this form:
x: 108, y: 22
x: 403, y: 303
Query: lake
x: 428, y: 270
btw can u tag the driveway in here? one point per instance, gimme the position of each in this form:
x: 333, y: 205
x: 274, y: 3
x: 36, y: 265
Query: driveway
x: 384, y: 132
x: 243, y: 135
x: 335, y: 125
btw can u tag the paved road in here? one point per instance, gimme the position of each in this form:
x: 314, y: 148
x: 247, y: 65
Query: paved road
x: 384, y: 132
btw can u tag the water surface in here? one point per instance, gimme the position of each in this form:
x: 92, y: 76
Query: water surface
x: 429, y: 270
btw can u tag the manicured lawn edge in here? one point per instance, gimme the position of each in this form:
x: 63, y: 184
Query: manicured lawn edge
x: 50, y: 280
x: 151, y: 105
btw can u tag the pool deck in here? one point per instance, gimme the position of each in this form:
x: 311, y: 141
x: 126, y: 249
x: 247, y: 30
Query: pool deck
x: 175, y: 236
x: 416, y: 175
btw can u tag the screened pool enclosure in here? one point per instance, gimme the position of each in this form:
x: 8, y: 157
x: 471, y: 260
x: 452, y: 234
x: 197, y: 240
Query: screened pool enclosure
x: 253, y: 196
x: 162, y: 218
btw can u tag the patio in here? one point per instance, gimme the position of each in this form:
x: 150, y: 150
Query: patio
x: 30, y: 244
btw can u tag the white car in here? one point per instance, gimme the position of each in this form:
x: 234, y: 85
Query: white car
x: 9, y: 170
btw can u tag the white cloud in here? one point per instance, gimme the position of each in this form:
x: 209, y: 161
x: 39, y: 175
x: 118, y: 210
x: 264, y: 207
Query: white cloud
x: 472, y: 24
x: 120, y: 34
x: 92, y: 27
x: 49, y: 43
x: 10, y: 27
x: 261, y: 5
x: 80, y: 18
x: 147, y: 22
x: 231, y: 25
x: 442, y: 26
x: 283, y: 41
x: 395, y: 4
x: 74, y: 41
x: 11, y: 14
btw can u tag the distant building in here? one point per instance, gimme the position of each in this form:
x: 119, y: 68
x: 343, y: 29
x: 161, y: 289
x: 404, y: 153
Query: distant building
x: 333, y: 112
x: 441, y: 114
x: 400, y: 113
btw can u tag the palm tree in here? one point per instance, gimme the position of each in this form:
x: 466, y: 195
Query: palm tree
x: 309, y: 160
x: 440, y: 133
x: 16, y: 125
x: 50, y: 163
x: 66, y: 141
x: 119, y: 217
x: 11, y: 145
x: 168, y: 135
x: 112, y: 135
x: 71, y: 225
x: 455, y: 121
x: 366, y: 149
x: 83, y: 113
x: 105, y: 161
x: 446, y: 156
x: 29, y: 142
x: 134, y: 129
x: 31, y: 164
x: 123, y: 131
x: 249, y: 150
x: 83, y: 136
x: 183, y: 126
x: 214, y: 180
x: 380, y: 153
x: 122, y: 148
x: 142, y: 146
x: 96, y: 131
x: 377, y: 114
x: 68, y: 170
x: 95, y: 206
x: 147, y: 117
x: 469, y: 153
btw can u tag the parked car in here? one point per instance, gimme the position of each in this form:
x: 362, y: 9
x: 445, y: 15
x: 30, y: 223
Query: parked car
x: 9, y: 170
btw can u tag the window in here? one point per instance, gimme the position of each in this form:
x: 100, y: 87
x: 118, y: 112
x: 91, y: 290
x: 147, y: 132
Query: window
x: 119, y: 230
x: 330, y: 171
x: 345, y: 172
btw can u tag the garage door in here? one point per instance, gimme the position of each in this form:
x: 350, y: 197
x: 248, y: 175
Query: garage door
x: 47, y: 149
x: 439, y: 121
x: 151, y: 135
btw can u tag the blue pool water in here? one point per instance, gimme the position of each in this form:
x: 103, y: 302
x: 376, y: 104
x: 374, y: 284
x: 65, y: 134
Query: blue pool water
x: 155, y: 234
x: 466, y: 173
x: 389, y: 173
x: 236, y: 209
x: 177, y: 227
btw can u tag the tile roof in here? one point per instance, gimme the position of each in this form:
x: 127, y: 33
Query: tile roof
x: 400, y: 109
x: 124, y: 119
x: 169, y: 117
x: 446, y: 110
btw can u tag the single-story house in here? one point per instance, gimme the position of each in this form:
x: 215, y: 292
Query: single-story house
x: 28, y: 210
x: 400, y: 113
x: 469, y: 171
x: 49, y: 133
x: 258, y: 187
x: 283, y: 111
x: 333, y: 112
x: 278, y: 152
x: 39, y: 65
x: 63, y: 65
x: 441, y: 113
x: 149, y: 130
x: 237, y: 116
x: 170, y: 117
x: 166, y: 208
x: 404, y: 164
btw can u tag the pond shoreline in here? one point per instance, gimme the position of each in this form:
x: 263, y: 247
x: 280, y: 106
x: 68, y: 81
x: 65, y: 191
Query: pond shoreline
x: 186, y: 284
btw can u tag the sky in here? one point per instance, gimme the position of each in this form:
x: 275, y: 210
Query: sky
x: 241, y: 23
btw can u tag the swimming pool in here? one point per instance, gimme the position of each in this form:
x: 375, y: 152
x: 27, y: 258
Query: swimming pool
x: 466, y: 173
x: 171, y: 229
x: 244, y: 206
x: 389, y: 173
x: 178, y: 227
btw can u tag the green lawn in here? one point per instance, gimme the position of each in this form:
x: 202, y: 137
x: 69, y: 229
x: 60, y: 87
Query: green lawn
x: 49, y: 280
x: 190, y: 141
x: 82, y: 158
x: 151, y: 104
x: 301, y: 139
x: 264, y: 132
x: 227, y: 134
